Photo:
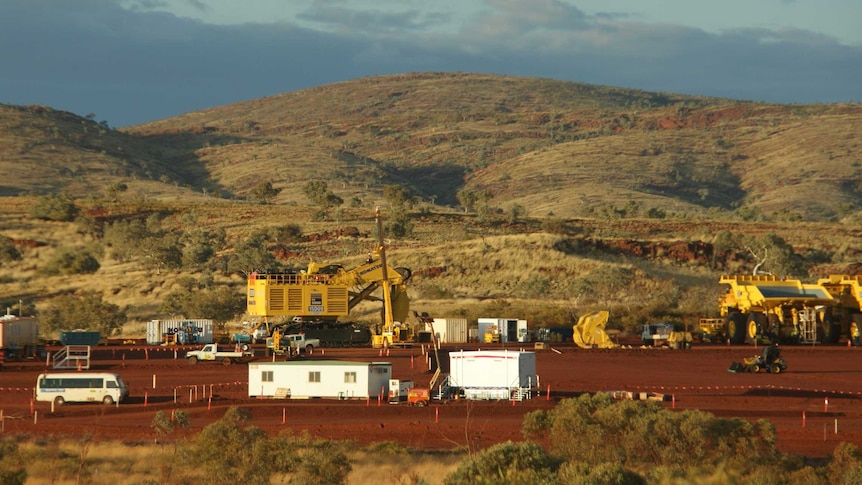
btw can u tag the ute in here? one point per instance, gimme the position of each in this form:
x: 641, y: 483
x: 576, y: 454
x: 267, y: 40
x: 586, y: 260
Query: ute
x: 212, y: 353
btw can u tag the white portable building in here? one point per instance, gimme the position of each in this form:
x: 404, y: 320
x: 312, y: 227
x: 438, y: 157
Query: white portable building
x: 509, y: 329
x: 449, y: 330
x: 18, y: 333
x: 493, y: 374
x: 319, y: 379
x: 198, y: 331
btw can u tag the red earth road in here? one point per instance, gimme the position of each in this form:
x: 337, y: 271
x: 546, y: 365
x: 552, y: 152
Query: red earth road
x: 823, y: 384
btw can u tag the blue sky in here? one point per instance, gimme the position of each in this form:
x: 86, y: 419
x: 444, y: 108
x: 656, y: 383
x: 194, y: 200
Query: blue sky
x: 132, y: 61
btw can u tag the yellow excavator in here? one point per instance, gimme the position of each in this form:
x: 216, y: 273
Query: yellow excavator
x: 326, y: 293
x: 589, y: 332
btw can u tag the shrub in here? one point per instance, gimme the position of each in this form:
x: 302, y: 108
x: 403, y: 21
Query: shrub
x: 54, y: 208
x: 87, y: 311
x: 507, y: 463
x: 72, y: 261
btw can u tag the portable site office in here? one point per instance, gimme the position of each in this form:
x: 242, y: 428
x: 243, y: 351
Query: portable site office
x: 493, y: 374
x: 319, y: 379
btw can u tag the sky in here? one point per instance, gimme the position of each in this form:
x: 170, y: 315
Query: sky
x: 127, y: 62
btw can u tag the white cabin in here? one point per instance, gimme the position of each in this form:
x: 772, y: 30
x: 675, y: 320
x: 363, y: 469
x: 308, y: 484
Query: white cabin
x: 319, y: 379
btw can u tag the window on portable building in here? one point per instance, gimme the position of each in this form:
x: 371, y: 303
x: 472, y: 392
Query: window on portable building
x: 266, y: 376
x: 350, y: 377
x: 314, y: 376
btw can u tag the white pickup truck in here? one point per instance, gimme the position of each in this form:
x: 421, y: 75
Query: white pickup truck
x: 293, y: 343
x: 211, y: 352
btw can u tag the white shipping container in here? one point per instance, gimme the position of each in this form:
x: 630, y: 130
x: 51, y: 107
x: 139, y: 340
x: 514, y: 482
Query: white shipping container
x: 189, y: 331
x: 500, y: 369
x: 18, y: 332
x: 509, y: 329
x: 449, y: 330
x: 319, y: 379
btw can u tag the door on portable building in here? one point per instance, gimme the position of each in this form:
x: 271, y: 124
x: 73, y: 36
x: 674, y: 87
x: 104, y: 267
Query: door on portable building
x: 511, y: 330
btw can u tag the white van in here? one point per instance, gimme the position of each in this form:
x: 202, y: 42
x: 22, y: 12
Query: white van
x: 61, y: 388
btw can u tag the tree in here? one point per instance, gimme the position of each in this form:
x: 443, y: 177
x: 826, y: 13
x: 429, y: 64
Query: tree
x: 264, y: 192
x: 115, y: 189
x: 71, y: 261
x: 53, y: 207
x: 8, y: 251
x: 467, y: 199
x: 87, y: 311
x: 12, y: 471
x: 507, y: 463
x: 231, y: 451
x: 251, y: 255
x: 220, y: 304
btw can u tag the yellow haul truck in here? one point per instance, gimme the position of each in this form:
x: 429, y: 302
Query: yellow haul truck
x: 847, y: 309
x: 330, y: 292
x: 769, y: 308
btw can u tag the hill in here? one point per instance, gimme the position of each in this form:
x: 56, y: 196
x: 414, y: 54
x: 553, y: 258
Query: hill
x: 527, y: 194
x: 551, y: 147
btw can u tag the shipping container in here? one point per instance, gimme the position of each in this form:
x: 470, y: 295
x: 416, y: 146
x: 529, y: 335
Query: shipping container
x: 80, y: 337
x: 181, y: 332
x: 505, y: 329
x: 319, y: 379
x: 449, y: 330
x: 18, y: 335
x: 493, y: 374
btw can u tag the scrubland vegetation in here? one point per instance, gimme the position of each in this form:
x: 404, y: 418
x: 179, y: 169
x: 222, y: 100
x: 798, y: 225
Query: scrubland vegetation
x: 589, y: 440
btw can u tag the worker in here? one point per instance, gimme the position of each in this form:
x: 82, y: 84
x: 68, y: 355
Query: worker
x: 771, y: 353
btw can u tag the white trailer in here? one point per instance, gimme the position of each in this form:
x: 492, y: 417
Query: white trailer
x: 319, y: 379
x: 449, y: 330
x: 18, y: 335
x: 493, y: 374
x: 198, y: 331
x: 508, y: 329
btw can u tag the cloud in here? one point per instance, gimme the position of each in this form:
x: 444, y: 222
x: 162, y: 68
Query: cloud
x: 129, y: 66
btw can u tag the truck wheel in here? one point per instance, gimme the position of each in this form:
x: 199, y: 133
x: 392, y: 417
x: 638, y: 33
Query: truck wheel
x: 754, y: 368
x: 735, y: 327
x: 420, y: 404
x: 309, y: 349
x: 193, y: 360
x: 59, y: 401
x: 226, y: 361
x: 756, y: 323
x: 107, y: 400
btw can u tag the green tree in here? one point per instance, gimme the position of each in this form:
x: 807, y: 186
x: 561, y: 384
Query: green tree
x: 264, y: 192
x: 8, y: 251
x: 87, y: 311
x: 232, y: 451
x: 12, y: 471
x: 467, y: 199
x: 251, y: 255
x: 53, y: 207
x: 220, y: 304
x: 507, y: 463
x: 114, y: 190
x: 71, y: 261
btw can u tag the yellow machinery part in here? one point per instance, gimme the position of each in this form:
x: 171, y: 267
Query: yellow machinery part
x: 590, y: 331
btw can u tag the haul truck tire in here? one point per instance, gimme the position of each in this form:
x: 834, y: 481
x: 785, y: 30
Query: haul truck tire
x: 736, y: 327
x: 754, y: 328
x: 828, y: 331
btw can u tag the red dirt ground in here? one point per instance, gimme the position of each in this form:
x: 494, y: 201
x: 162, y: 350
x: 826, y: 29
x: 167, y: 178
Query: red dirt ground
x: 695, y: 378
